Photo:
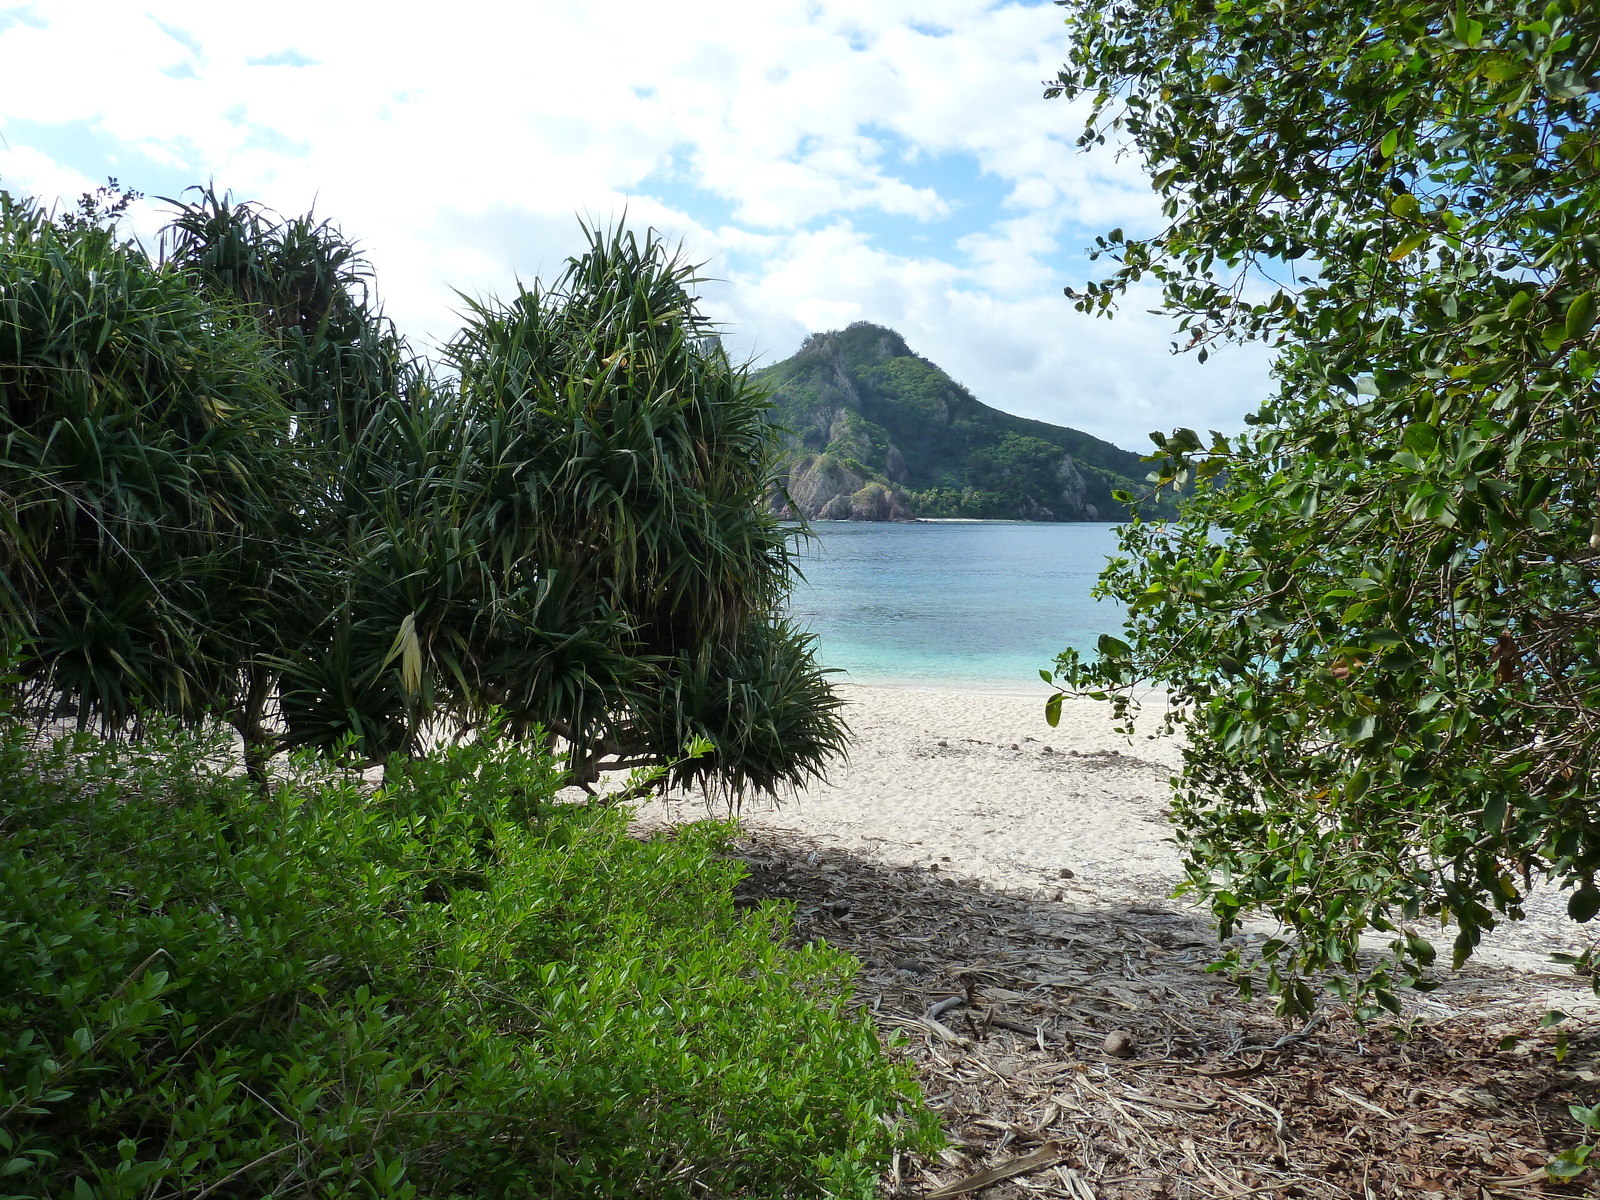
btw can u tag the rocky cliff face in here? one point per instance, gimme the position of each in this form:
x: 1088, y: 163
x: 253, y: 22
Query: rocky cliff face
x: 878, y: 433
x: 823, y: 488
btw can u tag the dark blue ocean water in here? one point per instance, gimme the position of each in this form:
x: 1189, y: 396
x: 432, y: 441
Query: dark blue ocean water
x: 984, y: 603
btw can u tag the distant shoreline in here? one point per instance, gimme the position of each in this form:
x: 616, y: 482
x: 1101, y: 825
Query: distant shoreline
x: 1016, y: 690
x: 961, y: 687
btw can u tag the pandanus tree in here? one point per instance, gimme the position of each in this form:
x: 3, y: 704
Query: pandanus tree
x: 147, y: 484
x: 233, y: 491
x: 575, y: 532
x: 346, y: 376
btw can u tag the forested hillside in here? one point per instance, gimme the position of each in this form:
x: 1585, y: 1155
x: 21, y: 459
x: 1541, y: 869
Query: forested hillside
x: 879, y: 433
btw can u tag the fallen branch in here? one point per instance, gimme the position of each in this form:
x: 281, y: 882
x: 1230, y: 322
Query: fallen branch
x: 1047, y: 1155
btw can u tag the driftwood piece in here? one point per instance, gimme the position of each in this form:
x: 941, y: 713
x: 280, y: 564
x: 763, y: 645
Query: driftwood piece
x: 1202, y: 1106
x: 948, y: 1034
x: 1047, y: 1155
x: 1013, y: 1026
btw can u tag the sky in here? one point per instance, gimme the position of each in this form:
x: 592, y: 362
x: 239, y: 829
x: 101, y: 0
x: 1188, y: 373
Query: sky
x: 888, y: 161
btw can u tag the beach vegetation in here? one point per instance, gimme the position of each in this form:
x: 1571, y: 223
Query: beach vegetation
x: 153, y: 507
x: 236, y: 507
x: 452, y: 986
x: 1376, y: 623
x: 235, y: 492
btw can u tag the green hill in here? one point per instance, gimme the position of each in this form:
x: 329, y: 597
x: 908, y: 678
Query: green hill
x: 878, y: 433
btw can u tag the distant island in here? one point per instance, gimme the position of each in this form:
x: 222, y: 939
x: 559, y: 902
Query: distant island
x: 879, y: 433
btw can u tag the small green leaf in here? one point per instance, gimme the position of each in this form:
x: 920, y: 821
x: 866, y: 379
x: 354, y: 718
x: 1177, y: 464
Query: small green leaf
x: 1407, y: 244
x: 1499, y: 69
x: 1111, y: 647
x: 1421, y: 949
x: 1569, y: 1163
x: 1420, y: 438
x: 1580, y: 316
x: 1052, y: 710
x: 1584, y: 903
x: 1494, y: 814
x: 1466, y: 29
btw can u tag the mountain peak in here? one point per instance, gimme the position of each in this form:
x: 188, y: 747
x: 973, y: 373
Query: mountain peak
x: 857, y: 340
x: 877, y: 432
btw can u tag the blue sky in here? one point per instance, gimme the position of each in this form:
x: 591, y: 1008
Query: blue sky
x: 830, y: 162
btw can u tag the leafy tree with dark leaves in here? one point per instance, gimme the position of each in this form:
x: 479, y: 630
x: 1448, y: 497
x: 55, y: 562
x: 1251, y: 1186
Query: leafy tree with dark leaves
x: 1378, y: 621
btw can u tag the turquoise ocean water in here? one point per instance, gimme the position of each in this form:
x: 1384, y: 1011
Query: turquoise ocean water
x: 983, y: 604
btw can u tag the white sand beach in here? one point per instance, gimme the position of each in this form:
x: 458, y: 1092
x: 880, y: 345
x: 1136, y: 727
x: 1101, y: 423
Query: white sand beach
x: 977, y: 784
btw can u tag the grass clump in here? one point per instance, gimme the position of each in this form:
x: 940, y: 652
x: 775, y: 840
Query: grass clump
x: 449, y: 988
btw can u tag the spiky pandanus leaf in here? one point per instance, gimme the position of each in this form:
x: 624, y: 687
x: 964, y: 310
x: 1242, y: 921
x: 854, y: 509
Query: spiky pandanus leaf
x: 310, y: 290
x: 764, y: 706
x: 146, y: 476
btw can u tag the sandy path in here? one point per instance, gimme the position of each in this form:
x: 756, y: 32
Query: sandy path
x: 935, y: 856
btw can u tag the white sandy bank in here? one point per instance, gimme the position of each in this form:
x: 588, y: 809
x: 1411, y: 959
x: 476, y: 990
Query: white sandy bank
x: 933, y: 778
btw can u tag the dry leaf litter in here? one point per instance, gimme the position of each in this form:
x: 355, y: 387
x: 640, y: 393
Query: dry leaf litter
x: 1001, y: 883
x: 1082, y: 1052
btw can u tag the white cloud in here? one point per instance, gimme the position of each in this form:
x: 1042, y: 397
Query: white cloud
x: 834, y: 161
x: 30, y: 171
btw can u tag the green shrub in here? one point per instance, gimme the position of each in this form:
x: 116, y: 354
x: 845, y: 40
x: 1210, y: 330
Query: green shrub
x: 451, y: 987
